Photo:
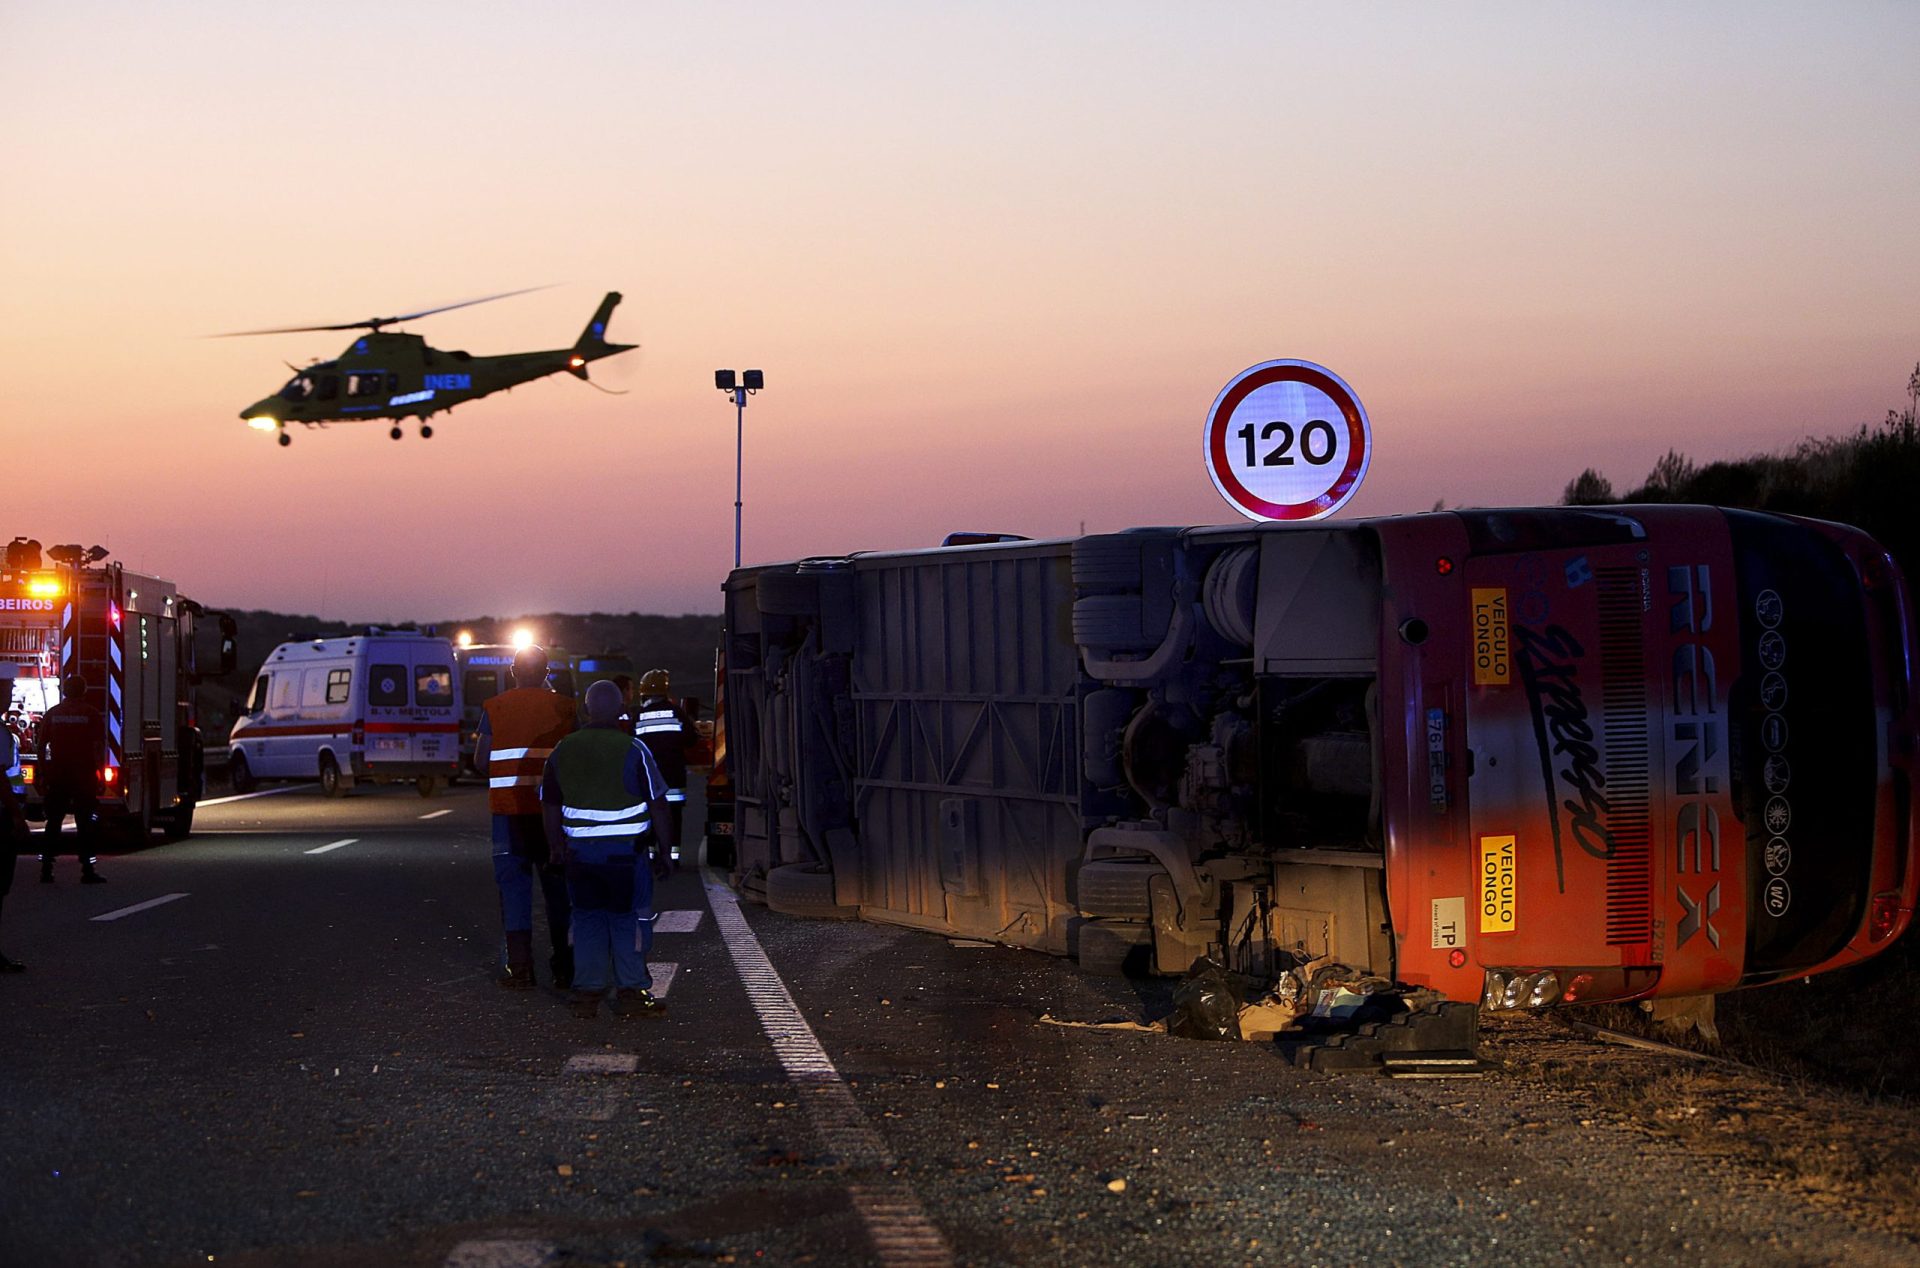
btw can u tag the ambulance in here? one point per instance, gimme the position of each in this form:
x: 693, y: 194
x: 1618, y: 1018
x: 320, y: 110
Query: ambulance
x: 381, y: 707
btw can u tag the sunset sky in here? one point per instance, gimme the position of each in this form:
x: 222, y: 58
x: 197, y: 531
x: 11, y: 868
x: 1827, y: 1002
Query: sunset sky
x: 995, y: 259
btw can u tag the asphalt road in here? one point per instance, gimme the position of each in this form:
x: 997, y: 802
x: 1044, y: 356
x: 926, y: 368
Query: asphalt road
x: 298, y: 1058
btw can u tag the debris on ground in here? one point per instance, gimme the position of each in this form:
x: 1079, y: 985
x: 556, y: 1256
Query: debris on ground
x: 1206, y: 1004
x: 1150, y: 1028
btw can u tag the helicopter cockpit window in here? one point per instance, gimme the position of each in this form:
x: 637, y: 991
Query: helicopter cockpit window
x: 329, y: 386
x: 298, y: 388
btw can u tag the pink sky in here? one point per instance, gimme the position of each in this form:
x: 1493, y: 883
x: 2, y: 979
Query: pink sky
x: 995, y: 260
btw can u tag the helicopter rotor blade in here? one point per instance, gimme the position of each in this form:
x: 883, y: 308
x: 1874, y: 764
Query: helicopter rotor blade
x: 375, y: 323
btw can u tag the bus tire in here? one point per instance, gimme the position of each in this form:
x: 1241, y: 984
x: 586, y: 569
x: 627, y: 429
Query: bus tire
x: 1110, y: 621
x: 429, y: 785
x: 239, y: 774
x: 806, y: 889
x: 1115, y: 949
x: 330, y: 782
x: 1106, y: 562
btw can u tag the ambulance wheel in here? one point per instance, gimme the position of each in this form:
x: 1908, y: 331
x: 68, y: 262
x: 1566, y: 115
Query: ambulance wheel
x: 429, y: 785
x: 395, y: 433
x: 285, y: 439
x: 330, y: 782
x: 426, y: 432
x: 240, y: 775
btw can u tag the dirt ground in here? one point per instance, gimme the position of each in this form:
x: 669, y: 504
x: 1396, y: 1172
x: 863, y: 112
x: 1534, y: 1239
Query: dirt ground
x: 1801, y: 1093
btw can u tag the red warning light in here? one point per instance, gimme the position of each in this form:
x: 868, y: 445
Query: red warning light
x: 1457, y: 958
x: 1443, y: 566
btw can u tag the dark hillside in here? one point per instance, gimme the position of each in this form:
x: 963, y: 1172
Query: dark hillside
x: 681, y: 645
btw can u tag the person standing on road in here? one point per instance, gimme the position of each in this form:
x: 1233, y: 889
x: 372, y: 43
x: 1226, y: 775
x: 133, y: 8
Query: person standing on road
x: 598, y: 796
x: 659, y: 724
x: 72, y: 751
x: 518, y: 729
x: 13, y: 814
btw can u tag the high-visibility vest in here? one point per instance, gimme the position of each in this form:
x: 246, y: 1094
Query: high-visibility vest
x: 526, y: 724
x: 597, y: 813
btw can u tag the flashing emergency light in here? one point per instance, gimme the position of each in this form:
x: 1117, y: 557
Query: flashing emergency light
x: 44, y: 587
x: 465, y: 638
x: 522, y: 639
x: 109, y: 775
x: 263, y: 422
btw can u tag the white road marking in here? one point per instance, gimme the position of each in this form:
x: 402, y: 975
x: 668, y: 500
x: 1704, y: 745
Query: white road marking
x: 602, y: 1063
x: 150, y: 903
x: 501, y: 1253
x: 662, y: 975
x: 677, y: 921
x: 899, y: 1229
x: 435, y: 814
x: 263, y: 792
x: 322, y: 849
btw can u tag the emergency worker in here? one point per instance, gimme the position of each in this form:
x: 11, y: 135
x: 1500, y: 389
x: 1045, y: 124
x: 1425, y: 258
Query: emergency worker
x: 13, y: 816
x: 599, y: 795
x: 518, y: 729
x: 72, y: 751
x: 659, y: 724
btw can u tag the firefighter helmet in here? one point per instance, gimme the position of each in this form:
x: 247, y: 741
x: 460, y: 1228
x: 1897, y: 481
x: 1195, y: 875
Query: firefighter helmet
x: 655, y: 682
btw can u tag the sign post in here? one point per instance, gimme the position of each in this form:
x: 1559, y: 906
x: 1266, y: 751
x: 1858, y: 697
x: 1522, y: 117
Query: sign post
x: 1287, y: 440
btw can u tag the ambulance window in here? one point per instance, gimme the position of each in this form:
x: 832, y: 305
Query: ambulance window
x: 286, y: 691
x: 481, y: 685
x: 313, y: 692
x: 339, y: 685
x: 259, y: 698
x: 432, y: 685
x: 387, y: 684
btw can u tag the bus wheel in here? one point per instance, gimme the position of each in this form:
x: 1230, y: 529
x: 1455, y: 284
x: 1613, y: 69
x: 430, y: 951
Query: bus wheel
x: 239, y: 774
x: 330, y: 782
x: 429, y: 785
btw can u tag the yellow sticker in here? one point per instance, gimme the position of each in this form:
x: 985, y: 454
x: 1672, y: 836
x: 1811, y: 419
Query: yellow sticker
x: 1496, y: 884
x: 1492, y: 645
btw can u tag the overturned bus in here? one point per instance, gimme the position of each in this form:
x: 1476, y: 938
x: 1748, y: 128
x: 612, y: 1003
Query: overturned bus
x: 1513, y: 757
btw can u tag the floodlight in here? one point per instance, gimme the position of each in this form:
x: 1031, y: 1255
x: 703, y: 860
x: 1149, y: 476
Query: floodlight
x: 723, y: 379
x: 754, y: 380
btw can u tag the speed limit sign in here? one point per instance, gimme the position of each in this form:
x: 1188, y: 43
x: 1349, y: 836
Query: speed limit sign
x: 1287, y: 440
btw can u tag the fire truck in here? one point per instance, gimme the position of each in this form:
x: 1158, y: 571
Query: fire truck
x: 130, y: 637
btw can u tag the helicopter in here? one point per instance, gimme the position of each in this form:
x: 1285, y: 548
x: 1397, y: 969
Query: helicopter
x: 392, y: 375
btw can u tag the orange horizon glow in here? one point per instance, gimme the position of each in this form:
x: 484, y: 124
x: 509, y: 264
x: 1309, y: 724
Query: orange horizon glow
x: 996, y: 263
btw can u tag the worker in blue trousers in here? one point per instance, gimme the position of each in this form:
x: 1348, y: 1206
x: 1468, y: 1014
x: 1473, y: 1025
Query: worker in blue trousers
x: 601, y: 796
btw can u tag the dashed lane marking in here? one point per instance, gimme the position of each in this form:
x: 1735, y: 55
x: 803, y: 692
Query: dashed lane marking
x: 678, y: 921
x: 435, y: 814
x: 899, y: 1229
x: 501, y: 1253
x: 261, y: 792
x: 662, y: 975
x: 322, y: 849
x: 603, y: 1063
x: 138, y: 907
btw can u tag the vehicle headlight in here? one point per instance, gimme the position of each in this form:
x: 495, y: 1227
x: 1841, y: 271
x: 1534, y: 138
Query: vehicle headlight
x: 1516, y: 991
x: 1494, y: 996
x: 1546, y: 989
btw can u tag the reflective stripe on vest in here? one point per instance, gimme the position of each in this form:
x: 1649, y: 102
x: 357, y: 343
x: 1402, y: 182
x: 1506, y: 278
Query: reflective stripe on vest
x: 590, y: 767
x: 524, y: 725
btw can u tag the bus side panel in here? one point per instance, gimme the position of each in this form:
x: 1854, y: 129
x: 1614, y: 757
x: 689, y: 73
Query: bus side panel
x: 966, y: 685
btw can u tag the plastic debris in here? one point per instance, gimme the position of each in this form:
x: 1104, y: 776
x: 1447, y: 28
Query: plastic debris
x: 1206, y: 1004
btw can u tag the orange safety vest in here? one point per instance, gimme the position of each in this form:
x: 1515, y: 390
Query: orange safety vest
x: 526, y: 723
